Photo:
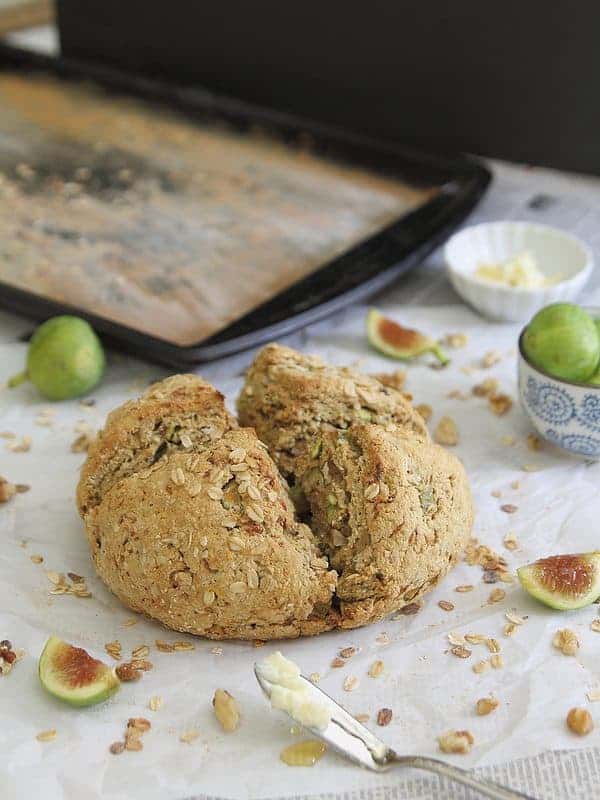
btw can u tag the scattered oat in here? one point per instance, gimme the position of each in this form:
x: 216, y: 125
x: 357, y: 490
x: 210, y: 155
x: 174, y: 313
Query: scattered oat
x: 140, y: 652
x: 486, y: 388
x: 490, y: 358
x: 515, y: 618
x: 509, y: 629
x: 531, y: 467
x: 456, y: 742
x: 155, y: 703
x: 485, y: 705
x: 362, y: 717
x: 382, y: 639
x: 515, y: 485
x: 464, y: 588
x: 183, y: 645
x: 114, y: 649
x: 36, y: 558
x: 47, y: 736
x: 446, y: 605
x: 189, y: 736
x: 376, y: 669
x: 455, y: 339
x: 384, y: 716
x: 164, y: 647
x: 446, y: 432
x: 348, y: 652
x: 227, y: 710
x: 496, y: 595
x: 493, y: 645
x: 496, y: 661
x: 496, y: 493
x: 593, y: 695
x: 426, y: 411
x: 22, y: 445
x: 508, y: 440
x: 481, y: 666
x: 475, y: 638
x: 314, y: 677
x: 566, y: 641
x: 460, y: 651
x: 509, y: 508
x: 456, y: 394
x: 350, y: 683
x: 510, y: 542
x: 217, y: 651
x: 595, y: 625
x: 456, y: 638
x: 579, y: 721
x: 534, y: 442
x: 409, y: 610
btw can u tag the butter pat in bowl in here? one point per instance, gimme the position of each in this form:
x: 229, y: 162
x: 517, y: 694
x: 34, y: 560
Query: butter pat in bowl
x: 509, y: 270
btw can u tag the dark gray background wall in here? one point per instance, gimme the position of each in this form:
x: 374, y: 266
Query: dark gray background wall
x: 517, y: 80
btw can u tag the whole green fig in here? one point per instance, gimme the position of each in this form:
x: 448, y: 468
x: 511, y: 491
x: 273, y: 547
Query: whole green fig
x: 563, y: 340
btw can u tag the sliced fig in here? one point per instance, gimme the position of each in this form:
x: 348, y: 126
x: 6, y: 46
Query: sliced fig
x: 72, y: 675
x: 394, y: 341
x: 563, y: 582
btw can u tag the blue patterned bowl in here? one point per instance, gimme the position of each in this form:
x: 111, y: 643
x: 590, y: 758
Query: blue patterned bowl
x: 566, y: 414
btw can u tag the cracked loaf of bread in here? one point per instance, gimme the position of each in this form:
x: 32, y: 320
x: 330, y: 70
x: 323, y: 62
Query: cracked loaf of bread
x: 190, y: 520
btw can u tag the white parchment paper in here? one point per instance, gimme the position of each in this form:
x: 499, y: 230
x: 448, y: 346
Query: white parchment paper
x: 428, y: 689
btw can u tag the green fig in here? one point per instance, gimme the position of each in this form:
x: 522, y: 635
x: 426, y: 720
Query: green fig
x: 563, y: 582
x: 65, y: 359
x: 563, y: 340
x: 73, y: 676
x: 391, y: 339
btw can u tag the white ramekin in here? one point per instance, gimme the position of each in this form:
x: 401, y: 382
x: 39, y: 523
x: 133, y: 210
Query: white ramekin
x: 557, y: 254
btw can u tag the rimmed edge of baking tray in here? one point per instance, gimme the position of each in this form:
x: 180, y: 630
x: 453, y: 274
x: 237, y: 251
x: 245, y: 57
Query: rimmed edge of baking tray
x: 354, y: 275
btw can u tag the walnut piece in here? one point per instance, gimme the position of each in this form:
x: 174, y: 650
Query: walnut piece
x: 579, y: 720
x: 456, y: 742
x: 446, y: 432
x: 566, y: 641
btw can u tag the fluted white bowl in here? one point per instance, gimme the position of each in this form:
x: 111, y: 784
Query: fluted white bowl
x: 558, y: 255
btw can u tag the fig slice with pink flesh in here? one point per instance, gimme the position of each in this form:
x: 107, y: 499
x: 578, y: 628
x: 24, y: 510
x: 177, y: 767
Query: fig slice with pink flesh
x: 564, y: 582
x: 395, y: 341
x: 73, y: 676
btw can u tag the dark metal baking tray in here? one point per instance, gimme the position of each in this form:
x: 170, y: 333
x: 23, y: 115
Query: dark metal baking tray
x: 357, y: 273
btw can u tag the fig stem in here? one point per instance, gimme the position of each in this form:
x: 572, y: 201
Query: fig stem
x: 17, y: 379
x: 440, y: 355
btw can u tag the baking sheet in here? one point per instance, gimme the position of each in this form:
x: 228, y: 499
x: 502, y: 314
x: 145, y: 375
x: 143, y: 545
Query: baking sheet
x: 429, y: 689
x: 171, y: 227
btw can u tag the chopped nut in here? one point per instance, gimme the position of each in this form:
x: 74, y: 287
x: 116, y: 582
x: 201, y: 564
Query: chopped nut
x: 155, y: 703
x: 496, y: 493
x: 566, y: 641
x: 579, y: 720
x: 47, y: 736
x: 496, y: 595
x: 116, y: 748
x: 348, y: 652
x: 486, y: 388
x: 384, y: 716
x: 376, y: 669
x: 460, y: 651
x: 456, y: 742
x: 446, y: 432
x: 490, y: 576
x: 485, y: 705
x: 350, y: 683
x: 189, y: 736
x: 82, y: 443
x: 139, y: 723
x: 7, y: 490
x: 133, y: 743
x: 126, y: 672
x: 509, y: 508
x: 510, y: 542
x: 338, y: 662
x: 425, y: 411
x: 500, y: 404
x: 464, y: 588
x: 446, y: 605
x: 36, y: 559
x: 227, y: 710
